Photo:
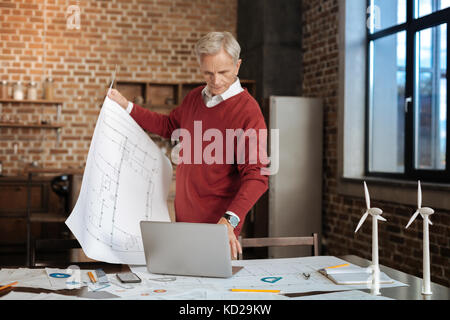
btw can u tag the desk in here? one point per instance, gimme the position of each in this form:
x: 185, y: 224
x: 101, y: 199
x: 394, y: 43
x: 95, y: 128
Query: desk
x: 414, y: 289
x: 412, y: 292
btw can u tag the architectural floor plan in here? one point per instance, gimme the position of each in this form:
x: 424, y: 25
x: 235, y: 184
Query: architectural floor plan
x: 126, y: 180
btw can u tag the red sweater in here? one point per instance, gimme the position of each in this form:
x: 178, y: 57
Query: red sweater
x: 204, y: 192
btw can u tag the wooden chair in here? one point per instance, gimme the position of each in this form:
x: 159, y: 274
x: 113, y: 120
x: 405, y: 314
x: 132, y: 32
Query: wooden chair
x: 312, y: 241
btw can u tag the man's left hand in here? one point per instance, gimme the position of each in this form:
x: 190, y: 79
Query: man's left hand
x: 235, y: 246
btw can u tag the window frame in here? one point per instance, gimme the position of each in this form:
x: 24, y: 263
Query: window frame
x: 411, y: 27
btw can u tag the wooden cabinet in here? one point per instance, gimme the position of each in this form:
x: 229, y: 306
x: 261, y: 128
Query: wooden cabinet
x: 21, y: 118
x: 13, y: 215
x: 30, y: 210
x: 13, y: 196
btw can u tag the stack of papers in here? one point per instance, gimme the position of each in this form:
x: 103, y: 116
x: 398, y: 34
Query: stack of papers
x: 350, y: 274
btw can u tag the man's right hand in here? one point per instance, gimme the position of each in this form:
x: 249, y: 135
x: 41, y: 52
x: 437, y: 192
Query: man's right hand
x: 115, y: 95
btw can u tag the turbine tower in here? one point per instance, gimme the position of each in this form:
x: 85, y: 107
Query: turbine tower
x: 425, y: 212
x: 376, y: 215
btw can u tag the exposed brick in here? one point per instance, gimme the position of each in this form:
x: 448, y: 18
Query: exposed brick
x: 399, y: 248
x: 140, y: 36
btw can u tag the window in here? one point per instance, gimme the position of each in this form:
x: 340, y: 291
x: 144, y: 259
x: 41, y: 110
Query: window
x: 425, y: 7
x: 407, y: 89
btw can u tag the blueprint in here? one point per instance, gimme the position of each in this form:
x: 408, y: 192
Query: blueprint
x: 126, y: 180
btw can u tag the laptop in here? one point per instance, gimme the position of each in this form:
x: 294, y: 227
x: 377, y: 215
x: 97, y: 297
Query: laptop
x: 188, y: 249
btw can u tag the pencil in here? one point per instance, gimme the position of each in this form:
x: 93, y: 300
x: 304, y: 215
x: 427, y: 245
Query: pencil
x: 8, y: 285
x: 91, y: 276
x: 338, y: 266
x: 254, y: 290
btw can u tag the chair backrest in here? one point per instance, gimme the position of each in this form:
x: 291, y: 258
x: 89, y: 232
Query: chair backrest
x: 312, y: 241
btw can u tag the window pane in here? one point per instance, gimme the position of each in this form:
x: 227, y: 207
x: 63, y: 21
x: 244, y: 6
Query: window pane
x: 430, y: 92
x: 383, y: 14
x: 386, y: 103
x: 425, y: 7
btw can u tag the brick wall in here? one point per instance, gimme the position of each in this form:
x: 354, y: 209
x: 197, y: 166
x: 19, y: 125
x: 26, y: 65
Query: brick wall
x: 398, y: 248
x: 148, y: 40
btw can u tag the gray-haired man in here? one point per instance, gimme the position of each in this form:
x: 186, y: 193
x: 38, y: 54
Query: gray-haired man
x: 217, y: 192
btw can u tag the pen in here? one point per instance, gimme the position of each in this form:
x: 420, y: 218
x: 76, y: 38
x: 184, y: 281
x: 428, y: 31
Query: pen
x: 113, y: 78
x: 91, y: 276
x: 254, y: 290
x: 8, y: 285
x: 338, y: 266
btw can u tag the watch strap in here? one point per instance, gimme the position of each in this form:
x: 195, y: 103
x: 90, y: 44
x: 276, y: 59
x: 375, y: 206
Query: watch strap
x: 232, y: 216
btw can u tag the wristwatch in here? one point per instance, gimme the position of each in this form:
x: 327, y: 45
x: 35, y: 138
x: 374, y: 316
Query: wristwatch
x: 232, y: 219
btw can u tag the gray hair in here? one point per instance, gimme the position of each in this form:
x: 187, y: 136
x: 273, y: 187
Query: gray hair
x: 214, y: 41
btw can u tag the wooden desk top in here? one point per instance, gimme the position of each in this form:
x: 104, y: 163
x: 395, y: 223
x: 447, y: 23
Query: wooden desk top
x: 411, y: 292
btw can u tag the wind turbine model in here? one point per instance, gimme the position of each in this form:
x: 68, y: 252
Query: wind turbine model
x: 425, y: 212
x: 376, y: 215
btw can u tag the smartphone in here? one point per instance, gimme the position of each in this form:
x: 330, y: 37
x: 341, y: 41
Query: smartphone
x: 128, y: 277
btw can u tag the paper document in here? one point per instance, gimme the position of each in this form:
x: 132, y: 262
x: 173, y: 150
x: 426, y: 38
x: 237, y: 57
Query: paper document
x: 126, y: 180
x: 352, y: 274
x: 344, y: 268
x: 29, y: 278
x: 357, y: 278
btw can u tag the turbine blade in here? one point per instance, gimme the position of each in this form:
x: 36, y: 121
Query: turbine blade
x: 381, y: 218
x: 419, y: 195
x: 414, y: 216
x: 429, y: 221
x: 366, y: 195
x: 363, y: 218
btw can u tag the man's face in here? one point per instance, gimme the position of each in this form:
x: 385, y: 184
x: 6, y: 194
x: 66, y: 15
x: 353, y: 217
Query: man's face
x: 219, y: 71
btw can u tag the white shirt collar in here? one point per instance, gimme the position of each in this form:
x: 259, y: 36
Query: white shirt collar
x: 233, y: 90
